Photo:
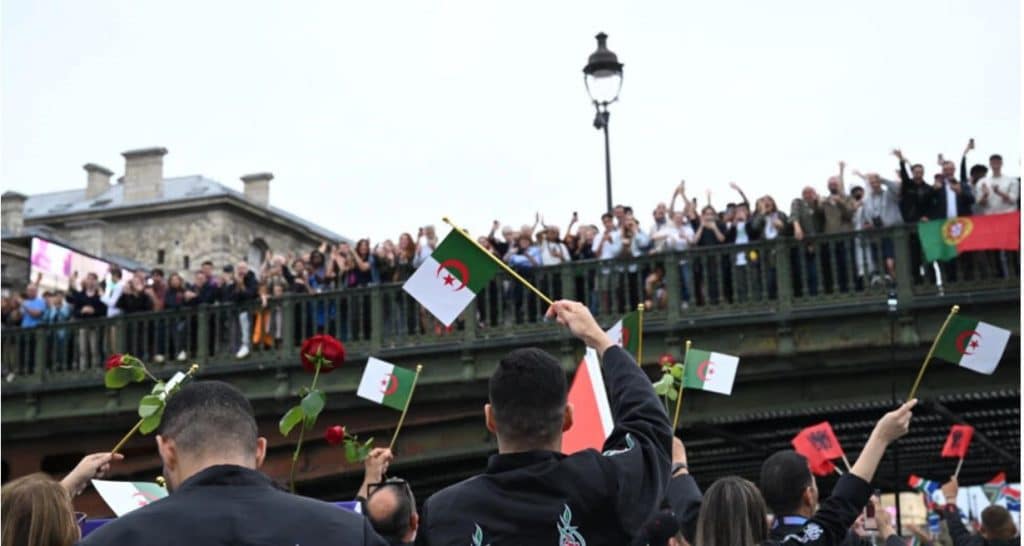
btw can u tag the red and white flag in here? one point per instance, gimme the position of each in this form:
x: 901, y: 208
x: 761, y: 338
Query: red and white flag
x: 592, y: 416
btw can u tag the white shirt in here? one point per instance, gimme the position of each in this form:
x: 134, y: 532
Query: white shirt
x: 609, y: 249
x: 660, y: 235
x: 1007, y: 185
x: 681, y: 237
x: 741, y: 239
x: 423, y: 251
x: 113, y: 294
x: 549, y: 253
x: 950, y: 199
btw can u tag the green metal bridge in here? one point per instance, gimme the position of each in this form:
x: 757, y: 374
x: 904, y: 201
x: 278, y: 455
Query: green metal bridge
x: 819, y: 335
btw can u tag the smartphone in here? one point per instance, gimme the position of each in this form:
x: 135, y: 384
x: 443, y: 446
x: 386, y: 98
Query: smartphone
x: 149, y: 282
x: 870, y: 523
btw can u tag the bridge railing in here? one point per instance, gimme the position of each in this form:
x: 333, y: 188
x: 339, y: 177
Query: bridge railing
x: 780, y: 276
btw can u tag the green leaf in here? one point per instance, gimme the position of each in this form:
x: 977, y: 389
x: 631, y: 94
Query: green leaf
x: 138, y: 374
x: 677, y: 371
x: 309, y: 422
x: 664, y: 384
x: 117, y: 378
x: 363, y: 452
x: 303, y: 392
x: 313, y: 403
x: 158, y: 388
x: 351, y: 452
x: 149, y: 424
x: 672, y: 394
x: 368, y: 444
x: 291, y: 419
x: 150, y: 405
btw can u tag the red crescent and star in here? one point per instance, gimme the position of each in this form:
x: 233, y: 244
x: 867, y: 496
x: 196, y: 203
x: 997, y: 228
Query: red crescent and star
x: 459, y: 267
x: 705, y: 370
x: 389, y: 385
x: 961, y: 341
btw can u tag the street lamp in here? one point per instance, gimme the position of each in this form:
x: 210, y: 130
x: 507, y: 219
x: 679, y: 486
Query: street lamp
x: 603, y: 78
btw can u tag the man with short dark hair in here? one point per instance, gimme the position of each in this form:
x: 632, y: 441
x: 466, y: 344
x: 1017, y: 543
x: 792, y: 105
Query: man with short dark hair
x: 791, y: 492
x: 210, y: 448
x: 997, y: 527
x: 531, y: 493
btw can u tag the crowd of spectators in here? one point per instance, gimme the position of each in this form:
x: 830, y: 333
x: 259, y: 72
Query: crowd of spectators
x: 637, y: 491
x: 533, y: 251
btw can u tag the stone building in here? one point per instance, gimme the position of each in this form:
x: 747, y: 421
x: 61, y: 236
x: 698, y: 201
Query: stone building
x: 174, y: 223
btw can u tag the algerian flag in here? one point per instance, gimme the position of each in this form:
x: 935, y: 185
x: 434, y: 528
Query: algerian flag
x: 451, y: 277
x: 972, y: 344
x: 626, y: 332
x: 385, y: 383
x: 709, y: 371
x: 123, y: 497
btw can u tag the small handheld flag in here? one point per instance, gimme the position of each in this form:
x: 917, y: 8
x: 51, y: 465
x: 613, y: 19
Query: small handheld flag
x: 448, y: 280
x: 710, y: 371
x: 994, y: 487
x: 1010, y: 493
x: 972, y: 344
x: 626, y: 333
x: 386, y: 384
x: 958, y: 441
x: 927, y: 487
x: 819, y: 444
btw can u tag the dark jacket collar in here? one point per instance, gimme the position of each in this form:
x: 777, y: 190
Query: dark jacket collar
x: 511, y: 461
x: 226, y: 474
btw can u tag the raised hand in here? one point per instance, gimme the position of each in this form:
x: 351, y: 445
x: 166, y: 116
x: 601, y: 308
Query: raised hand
x: 842, y: 165
x: 898, y: 153
x: 581, y: 323
x: 970, y: 146
x: 895, y: 424
x: 91, y: 466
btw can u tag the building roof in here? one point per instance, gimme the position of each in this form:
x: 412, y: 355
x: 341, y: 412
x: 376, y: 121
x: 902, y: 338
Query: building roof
x: 177, y: 189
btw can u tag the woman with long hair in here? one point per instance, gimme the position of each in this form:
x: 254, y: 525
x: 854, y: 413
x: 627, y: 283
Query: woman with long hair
x: 37, y: 509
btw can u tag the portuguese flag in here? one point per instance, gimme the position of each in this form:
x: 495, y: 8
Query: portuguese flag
x: 945, y: 239
x: 626, y: 332
x: 451, y: 277
x: 709, y: 371
x: 387, y: 384
x: 972, y: 344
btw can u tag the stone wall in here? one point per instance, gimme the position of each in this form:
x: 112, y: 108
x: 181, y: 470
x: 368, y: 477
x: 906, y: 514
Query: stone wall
x: 220, y: 234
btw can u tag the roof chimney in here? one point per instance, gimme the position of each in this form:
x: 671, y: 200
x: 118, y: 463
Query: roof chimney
x: 98, y: 181
x: 257, y: 188
x: 12, y: 212
x: 143, y: 174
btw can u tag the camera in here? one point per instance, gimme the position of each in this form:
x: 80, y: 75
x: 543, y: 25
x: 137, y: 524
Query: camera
x: 877, y: 222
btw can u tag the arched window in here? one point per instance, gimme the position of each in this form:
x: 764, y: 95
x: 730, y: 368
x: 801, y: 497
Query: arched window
x: 257, y: 249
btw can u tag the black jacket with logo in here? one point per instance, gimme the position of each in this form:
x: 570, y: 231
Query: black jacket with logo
x: 228, y: 505
x: 544, y: 497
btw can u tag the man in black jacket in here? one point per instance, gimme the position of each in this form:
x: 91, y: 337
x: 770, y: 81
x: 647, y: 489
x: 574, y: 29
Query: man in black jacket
x: 210, y: 450
x: 997, y: 527
x: 829, y: 524
x: 533, y: 494
x: 791, y: 493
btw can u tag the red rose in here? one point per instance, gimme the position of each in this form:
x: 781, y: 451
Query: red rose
x: 335, y: 435
x: 666, y: 360
x: 114, y: 361
x: 322, y: 346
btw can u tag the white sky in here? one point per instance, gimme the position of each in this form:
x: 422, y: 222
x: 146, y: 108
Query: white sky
x: 378, y: 117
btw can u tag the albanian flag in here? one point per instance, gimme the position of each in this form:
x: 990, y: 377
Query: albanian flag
x: 819, y: 444
x: 958, y: 441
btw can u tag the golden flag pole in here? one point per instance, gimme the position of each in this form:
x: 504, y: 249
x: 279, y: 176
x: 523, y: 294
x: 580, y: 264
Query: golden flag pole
x: 640, y: 335
x: 682, y: 385
x: 500, y: 263
x: 927, y: 359
x: 419, y: 368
